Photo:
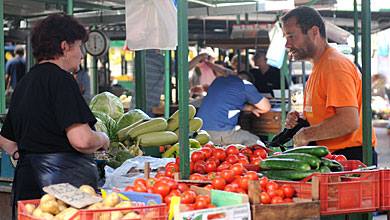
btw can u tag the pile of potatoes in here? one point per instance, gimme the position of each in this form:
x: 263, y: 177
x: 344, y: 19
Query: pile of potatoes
x: 51, y: 208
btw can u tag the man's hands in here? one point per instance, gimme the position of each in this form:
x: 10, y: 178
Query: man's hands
x: 300, y: 138
x: 292, y: 119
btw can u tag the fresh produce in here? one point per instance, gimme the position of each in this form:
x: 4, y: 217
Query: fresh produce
x: 319, y: 151
x: 131, y: 117
x: 157, y: 138
x: 108, y: 103
x: 173, y: 121
x: 313, y: 161
x: 287, y: 174
x: 154, y: 124
x: 202, y: 136
x: 333, y: 165
x: 284, y: 164
x: 123, y: 134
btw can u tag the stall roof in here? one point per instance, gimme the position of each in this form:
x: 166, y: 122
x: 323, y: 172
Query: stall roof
x: 209, y: 20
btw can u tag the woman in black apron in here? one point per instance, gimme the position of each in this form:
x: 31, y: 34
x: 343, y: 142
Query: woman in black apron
x: 48, y: 122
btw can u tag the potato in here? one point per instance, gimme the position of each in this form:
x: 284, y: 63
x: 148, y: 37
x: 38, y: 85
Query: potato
x: 124, y: 204
x: 61, y: 205
x: 96, y: 206
x: 131, y: 215
x: 66, y: 214
x: 29, y: 208
x: 88, y: 189
x: 47, y: 197
x: 111, y: 200
x: 116, y: 215
x: 37, y: 212
x: 46, y: 216
x: 50, y: 206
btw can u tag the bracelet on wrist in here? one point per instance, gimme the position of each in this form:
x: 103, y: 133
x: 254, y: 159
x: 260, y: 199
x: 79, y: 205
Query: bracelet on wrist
x: 14, y: 155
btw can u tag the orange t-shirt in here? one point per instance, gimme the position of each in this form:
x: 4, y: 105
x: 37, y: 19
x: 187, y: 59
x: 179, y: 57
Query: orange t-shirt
x: 334, y: 82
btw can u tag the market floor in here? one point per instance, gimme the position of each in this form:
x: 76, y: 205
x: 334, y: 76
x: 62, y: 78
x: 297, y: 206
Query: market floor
x: 383, y: 150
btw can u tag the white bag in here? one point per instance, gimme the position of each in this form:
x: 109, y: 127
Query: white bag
x: 151, y: 24
x: 276, y: 50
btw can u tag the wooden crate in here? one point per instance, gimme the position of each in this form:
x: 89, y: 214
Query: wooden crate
x: 267, y: 123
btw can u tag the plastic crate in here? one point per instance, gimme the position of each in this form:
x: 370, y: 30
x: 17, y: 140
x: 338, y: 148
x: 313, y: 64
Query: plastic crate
x: 350, y: 165
x: 385, y: 189
x: 155, y: 212
x: 348, y: 192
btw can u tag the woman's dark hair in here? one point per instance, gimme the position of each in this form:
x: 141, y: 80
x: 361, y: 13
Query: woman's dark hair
x: 48, y: 34
x: 307, y: 17
x: 245, y: 75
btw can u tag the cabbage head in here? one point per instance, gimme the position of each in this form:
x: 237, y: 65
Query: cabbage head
x: 131, y: 117
x: 108, y: 122
x: 100, y: 126
x: 108, y: 103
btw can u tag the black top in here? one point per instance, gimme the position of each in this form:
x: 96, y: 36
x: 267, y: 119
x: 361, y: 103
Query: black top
x: 45, y: 102
x: 265, y: 83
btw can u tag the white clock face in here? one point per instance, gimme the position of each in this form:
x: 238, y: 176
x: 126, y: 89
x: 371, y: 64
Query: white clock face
x: 97, y: 43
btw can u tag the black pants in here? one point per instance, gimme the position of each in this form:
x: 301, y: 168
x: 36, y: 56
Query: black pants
x: 356, y: 153
x: 34, y: 171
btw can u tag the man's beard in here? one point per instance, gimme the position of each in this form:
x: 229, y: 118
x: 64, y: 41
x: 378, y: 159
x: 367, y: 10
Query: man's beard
x: 299, y: 54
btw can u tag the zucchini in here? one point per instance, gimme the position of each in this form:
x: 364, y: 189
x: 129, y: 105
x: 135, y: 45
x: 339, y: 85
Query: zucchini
x: 332, y: 164
x: 157, y: 138
x: 313, y: 161
x: 123, y: 133
x: 194, y: 144
x: 173, y: 121
x: 194, y: 125
x: 203, y: 137
x: 287, y: 174
x: 319, y: 151
x: 284, y: 164
x: 155, y: 124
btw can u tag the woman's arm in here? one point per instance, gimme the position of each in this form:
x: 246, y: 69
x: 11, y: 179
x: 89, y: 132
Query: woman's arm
x: 86, y: 140
x: 9, y: 146
x: 220, y: 70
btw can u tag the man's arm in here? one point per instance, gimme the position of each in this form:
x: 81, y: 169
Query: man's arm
x: 345, y: 121
x: 261, y: 107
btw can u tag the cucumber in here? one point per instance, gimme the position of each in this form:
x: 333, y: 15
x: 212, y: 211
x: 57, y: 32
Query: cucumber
x: 123, y: 133
x: 155, y: 124
x: 157, y: 138
x: 203, y: 137
x: 324, y: 169
x: 332, y: 164
x: 287, y: 174
x: 319, y: 151
x: 173, y: 121
x: 313, y: 161
x: 284, y: 164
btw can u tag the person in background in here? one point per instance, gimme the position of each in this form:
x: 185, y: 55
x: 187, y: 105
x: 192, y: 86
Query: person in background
x: 227, y: 96
x: 333, y: 93
x: 240, y: 67
x: 83, y: 80
x: 15, y: 69
x: 267, y: 78
x: 49, y: 127
x: 154, y: 70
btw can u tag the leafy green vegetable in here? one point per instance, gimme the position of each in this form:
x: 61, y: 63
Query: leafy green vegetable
x: 108, y: 122
x: 108, y: 103
x: 131, y: 117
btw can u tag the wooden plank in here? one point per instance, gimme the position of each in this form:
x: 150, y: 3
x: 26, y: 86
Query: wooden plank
x: 299, y: 210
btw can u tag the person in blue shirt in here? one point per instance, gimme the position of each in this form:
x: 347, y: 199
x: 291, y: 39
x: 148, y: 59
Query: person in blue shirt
x: 15, y: 69
x: 226, y: 97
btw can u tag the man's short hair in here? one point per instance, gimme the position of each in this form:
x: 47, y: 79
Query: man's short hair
x: 19, y: 50
x: 307, y: 17
x: 245, y: 75
x: 259, y: 53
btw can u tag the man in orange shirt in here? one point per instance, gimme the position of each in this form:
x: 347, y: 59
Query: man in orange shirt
x: 333, y: 93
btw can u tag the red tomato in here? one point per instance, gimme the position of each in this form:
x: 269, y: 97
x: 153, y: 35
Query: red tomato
x: 201, y: 204
x: 188, y: 197
x: 272, y: 185
x: 140, y: 188
x: 209, y: 187
x: 254, y: 157
x: 238, y: 169
x: 288, y: 190
x: 177, y: 160
x: 339, y: 158
x: 256, y: 162
x: 204, y: 198
x: 261, y: 152
x: 223, y: 166
x: 265, y: 198
x: 161, y: 188
x: 244, y: 182
x: 150, y: 182
x: 218, y: 183
x: 232, y: 150
x: 211, y: 166
x: 243, y: 161
x: 139, y: 181
x: 210, y: 145
x: 230, y: 188
x: 172, y: 166
x: 196, y: 176
x: 168, y: 198
x: 159, y: 174
x: 182, y: 187
x: 263, y: 182
x: 329, y: 156
x: 277, y: 200
x: 242, y: 156
x: 280, y: 193
x: 212, y: 175
x: 241, y: 191
x: 214, y: 158
x: 232, y: 158
x: 129, y: 189
x: 200, y: 167
x: 246, y: 151
x: 228, y: 175
x: 197, y: 156
x: 207, y: 151
x: 288, y: 200
x: 252, y: 175
x: 169, y: 173
x: 220, y: 154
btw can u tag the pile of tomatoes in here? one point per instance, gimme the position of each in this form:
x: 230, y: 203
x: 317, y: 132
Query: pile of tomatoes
x: 274, y: 193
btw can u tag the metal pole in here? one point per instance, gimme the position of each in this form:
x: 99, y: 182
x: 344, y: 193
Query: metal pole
x: 140, y: 85
x: 283, y: 73
x: 69, y: 8
x: 167, y: 90
x: 366, y: 66
x: 246, y: 50
x: 95, y: 87
x: 238, y: 21
x: 182, y: 74
x: 356, y: 32
x: 2, y: 79
x: 303, y: 74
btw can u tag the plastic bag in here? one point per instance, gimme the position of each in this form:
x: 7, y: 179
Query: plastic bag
x: 151, y: 24
x: 130, y: 170
x: 275, y: 53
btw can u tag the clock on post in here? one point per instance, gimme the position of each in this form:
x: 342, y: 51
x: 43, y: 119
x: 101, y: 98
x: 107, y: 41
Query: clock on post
x: 97, y: 43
